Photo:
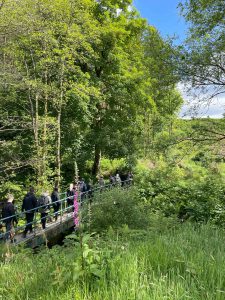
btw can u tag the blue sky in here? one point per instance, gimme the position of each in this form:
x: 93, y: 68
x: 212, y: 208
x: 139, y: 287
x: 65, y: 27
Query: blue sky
x: 164, y: 15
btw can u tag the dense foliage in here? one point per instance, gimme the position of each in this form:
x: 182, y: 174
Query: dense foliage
x: 79, y: 80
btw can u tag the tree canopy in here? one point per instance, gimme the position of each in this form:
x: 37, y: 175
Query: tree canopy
x: 79, y: 80
x: 203, y: 56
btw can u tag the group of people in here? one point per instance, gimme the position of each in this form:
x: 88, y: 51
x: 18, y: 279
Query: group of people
x: 121, y: 180
x: 31, y: 204
x: 85, y: 190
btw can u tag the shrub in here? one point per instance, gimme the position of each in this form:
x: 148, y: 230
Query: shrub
x: 165, y: 191
x: 117, y: 207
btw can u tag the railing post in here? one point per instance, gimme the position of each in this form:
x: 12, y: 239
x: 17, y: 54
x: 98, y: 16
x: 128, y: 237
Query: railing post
x: 65, y: 203
x: 35, y: 221
x: 61, y: 209
x: 99, y: 190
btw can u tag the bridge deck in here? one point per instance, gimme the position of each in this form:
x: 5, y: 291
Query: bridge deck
x: 52, y: 230
x: 56, y: 228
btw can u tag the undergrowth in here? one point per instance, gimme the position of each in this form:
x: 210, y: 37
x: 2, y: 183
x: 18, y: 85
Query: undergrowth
x: 185, y: 262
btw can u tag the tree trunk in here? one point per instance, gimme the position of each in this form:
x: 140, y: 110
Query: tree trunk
x: 58, y: 157
x: 149, y: 134
x: 44, y: 136
x: 36, y: 137
x: 34, y: 107
x: 97, y: 160
x: 170, y: 127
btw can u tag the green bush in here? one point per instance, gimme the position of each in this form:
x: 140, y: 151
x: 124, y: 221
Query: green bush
x: 170, y: 191
x: 117, y: 207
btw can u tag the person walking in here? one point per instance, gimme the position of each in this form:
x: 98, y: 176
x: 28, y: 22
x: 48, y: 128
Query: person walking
x: 29, y: 205
x: 55, y: 202
x: 118, y: 179
x: 44, y: 205
x: 101, y: 183
x: 90, y: 192
x: 82, y: 189
x: 130, y: 177
x: 112, y: 180
x: 70, y: 195
x: 9, y: 216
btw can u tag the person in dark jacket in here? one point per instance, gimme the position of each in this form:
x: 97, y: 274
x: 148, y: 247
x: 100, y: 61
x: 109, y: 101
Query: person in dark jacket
x: 44, y: 206
x: 55, y: 202
x: 29, y: 205
x: 82, y: 189
x: 9, y: 216
x: 130, y: 177
x: 112, y: 180
x: 90, y: 192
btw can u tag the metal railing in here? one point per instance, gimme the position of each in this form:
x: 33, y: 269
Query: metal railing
x: 63, y: 209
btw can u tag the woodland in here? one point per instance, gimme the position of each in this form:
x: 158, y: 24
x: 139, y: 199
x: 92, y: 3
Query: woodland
x: 89, y: 87
x: 80, y: 80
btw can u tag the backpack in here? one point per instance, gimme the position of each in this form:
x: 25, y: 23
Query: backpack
x: 43, y: 201
x: 83, y: 187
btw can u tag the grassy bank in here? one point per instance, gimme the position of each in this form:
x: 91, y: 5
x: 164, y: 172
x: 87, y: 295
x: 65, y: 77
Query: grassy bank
x: 181, y: 263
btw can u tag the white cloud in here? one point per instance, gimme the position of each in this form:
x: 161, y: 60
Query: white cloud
x: 197, y: 105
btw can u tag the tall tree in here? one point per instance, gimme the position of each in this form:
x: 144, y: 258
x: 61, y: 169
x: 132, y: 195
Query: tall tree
x: 203, y: 57
x: 161, y: 80
x: 48, y: 41
x: 116, y: 73
x: 78, y: 79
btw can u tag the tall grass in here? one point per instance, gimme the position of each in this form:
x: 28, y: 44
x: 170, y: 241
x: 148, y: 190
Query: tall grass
x: 181, y: 263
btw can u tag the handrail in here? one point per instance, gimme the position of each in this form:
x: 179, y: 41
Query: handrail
x: 61, y: 201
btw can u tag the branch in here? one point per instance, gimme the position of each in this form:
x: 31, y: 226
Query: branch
x: 215, y: 132
x: 200, y: 139
x: 18, y: 165
x: 13, y: 129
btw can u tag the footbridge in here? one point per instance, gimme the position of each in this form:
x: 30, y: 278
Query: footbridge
x: 67, y: 218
